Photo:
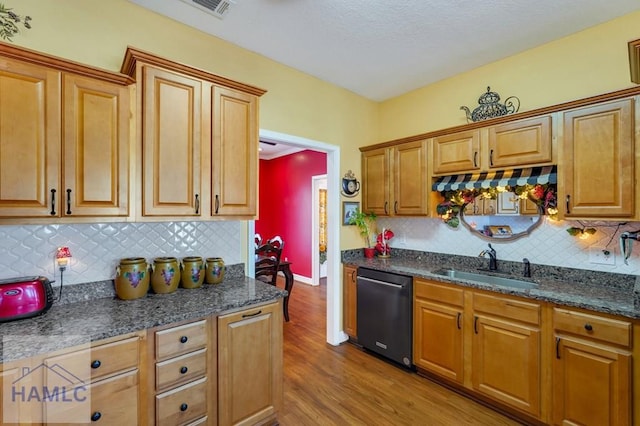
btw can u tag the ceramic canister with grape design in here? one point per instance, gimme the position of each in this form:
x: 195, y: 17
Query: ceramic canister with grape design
x: 215, y: 270
x: 132, y: 278
x: 192, y: 272
x: 165, y: 275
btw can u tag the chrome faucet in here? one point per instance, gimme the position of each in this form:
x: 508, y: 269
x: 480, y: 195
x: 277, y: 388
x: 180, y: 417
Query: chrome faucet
x: 493, y: 260
x: 526, y: 272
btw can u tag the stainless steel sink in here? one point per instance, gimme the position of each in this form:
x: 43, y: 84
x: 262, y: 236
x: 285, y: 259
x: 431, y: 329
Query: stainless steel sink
x: 486, y: 279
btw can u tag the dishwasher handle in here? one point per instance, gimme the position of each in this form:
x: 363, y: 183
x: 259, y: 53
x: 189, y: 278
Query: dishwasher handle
x: 371, y: 280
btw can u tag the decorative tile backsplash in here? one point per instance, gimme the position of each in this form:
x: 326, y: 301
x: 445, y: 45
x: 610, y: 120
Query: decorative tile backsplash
x: 549, y: 244
x: 97, y: 248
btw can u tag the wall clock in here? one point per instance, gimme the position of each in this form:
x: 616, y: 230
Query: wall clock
x: 350, y: 185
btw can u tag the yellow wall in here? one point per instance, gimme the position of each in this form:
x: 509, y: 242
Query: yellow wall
x: 591, y: 62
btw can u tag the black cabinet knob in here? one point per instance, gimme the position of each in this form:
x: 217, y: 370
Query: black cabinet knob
x: 96, y: 416
x: 183, y: 407
x: 183, y: 370
x: 96, y: 364
x: 588, y: 327
x: 184, y: 339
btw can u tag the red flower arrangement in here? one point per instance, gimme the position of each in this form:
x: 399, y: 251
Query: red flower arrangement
x: 382, y: 242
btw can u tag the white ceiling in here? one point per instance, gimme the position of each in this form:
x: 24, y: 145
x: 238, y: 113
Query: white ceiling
x: 384, y: 48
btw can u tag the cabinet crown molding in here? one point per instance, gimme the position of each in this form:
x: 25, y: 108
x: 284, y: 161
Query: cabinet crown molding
x: 133, y: 55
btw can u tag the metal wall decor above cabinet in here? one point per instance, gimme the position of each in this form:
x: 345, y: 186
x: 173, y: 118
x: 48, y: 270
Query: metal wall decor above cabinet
x: 56, y: 114
x: 395, y: 180
x: 599, y: 160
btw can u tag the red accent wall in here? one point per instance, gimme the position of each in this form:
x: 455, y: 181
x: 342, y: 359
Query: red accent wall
x: 285, y: 204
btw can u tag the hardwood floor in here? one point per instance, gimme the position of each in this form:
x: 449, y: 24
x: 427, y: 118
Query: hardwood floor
x: 343, y: 385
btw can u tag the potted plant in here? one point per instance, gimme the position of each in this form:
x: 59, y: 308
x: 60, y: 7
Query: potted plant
x: 366, y: 224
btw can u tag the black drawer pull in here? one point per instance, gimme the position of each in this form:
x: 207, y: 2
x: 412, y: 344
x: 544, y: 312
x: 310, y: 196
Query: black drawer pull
x: 68, y: 201
x: 251, y: 315
x: 96, y: 416
x: 53, y: 202
x: 395, y: 207
x: 183, y: 370
x: 475, y: 325
x: 385, y: 207
x: 475, y: 159
x: 588, y: 327
x: 184, y: 339
x: 568, y: 201
x: 558, y: 347
x: 491, y: 158
x: 217, y: 204
x: 458, y: 320
x: 183, y: 407
x: 96, y: 364
x: 197, y: 204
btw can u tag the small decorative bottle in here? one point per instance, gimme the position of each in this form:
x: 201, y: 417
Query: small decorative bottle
x: 132, y: 278
x: 192, y: 272
x: 215, y: 270
x: 165, y: 275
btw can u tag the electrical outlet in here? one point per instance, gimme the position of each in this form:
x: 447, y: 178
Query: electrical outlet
x: 601, y: 256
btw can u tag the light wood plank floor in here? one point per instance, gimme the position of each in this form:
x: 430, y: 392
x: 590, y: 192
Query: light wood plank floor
x: 343, y: 385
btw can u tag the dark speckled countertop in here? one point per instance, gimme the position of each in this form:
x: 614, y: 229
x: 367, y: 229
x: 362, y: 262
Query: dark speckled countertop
x: 83, y: 318
x: 616, y: 294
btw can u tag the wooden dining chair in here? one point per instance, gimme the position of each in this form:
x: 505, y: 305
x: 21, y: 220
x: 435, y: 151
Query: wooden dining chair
x: 257, y: 238
x: 267, y: 263
x: 276, y: 241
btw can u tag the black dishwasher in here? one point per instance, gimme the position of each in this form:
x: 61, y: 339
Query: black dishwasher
x: 385, y: 314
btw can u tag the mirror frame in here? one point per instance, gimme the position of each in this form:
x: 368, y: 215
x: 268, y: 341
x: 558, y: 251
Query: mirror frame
x: 509, y: 238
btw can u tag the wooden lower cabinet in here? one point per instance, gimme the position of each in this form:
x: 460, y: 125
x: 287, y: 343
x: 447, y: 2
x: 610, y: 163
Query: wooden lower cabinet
x: 350, y: 301
x: 592, y: 381
x: 437, y: 327
x: 250, y: 365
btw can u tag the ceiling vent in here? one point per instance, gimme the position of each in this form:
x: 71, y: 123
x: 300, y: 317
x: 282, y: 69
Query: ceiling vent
x: 217, y: 8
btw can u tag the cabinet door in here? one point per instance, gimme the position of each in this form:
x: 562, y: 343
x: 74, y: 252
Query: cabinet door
x: 250, y: 365
x: 438, y: 339
x: 18, y: 381
x: 350, y: 301
x: 375, y: 182
x: 96, y: 148
x: 171, y: 143
x: 506, y: 363
x: 457, y: 152
x: 591, y: 384
x: 599, y: 160
x: 235, y: 153
x: 410, y: 183
x: 521, y: 143
x: 29, y: 140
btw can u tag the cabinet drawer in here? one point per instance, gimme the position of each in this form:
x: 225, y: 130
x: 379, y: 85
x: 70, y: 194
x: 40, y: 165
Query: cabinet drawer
x: 617, y: 332
x: 181, y: 405
x: 507, y: 308
x: 182, y: 339
x: 113, y: 401
x: 182, y: 369
x: 98, y: 361
x: 439, y: 292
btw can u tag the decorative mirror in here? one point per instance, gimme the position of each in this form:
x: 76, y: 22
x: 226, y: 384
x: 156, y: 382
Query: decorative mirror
x: 502, y: 205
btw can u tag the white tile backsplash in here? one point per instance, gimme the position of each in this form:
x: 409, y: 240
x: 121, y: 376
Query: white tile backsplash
x: 549, y: 244
x: 97, y: 248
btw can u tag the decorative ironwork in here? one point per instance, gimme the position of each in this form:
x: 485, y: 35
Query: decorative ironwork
x: 490, y: 107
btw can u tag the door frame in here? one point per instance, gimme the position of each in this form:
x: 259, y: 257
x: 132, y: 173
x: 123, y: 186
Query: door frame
x: 335, y: 332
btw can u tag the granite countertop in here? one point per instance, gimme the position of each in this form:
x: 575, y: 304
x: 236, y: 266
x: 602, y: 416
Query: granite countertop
x: 616, y: 294
x: 82, y: 321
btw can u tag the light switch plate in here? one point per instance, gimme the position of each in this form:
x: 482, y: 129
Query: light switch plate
x: 601, y: 256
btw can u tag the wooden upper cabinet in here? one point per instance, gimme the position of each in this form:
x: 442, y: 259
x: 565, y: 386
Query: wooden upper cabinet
x: 395, y: 180
x: 29, y: 140
x: 598, y: 160
x: 234, y: 164
x: 171, y: 143
x: 520, y: 143
x: 456, y: 152
x: 95, y: 147
x: 376, y: 189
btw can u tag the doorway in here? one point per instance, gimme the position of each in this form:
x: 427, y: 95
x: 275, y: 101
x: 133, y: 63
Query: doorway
x: 318, y: 228
x: 335, y: 334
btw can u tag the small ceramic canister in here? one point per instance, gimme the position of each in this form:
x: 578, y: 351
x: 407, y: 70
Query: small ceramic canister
x: 215, y: 270
x: 192, y: 272
x: 132, y: 278
x: 165, y: 275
